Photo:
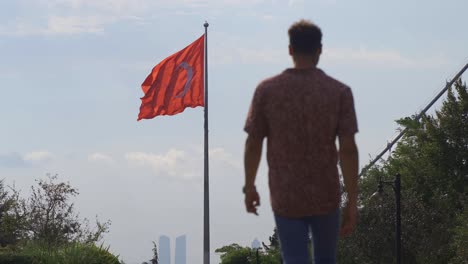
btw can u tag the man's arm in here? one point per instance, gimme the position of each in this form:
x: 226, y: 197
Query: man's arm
x: 252, y: 155
x: 349, y: 166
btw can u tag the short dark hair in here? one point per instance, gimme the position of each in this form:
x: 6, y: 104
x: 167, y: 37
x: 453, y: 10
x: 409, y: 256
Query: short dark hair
x: 305, y: 37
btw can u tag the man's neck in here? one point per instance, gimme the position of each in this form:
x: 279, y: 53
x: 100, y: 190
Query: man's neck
x: 303, y: 63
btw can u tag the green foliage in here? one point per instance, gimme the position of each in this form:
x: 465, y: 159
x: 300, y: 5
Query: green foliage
x: 44, y: 229
x: 460, y: 239
x: 80, y: 253
x: 47, y: 216
x: 15, y: 258
x: 432, y: 158
x: 236, y: 254
x: 51, y: 218
x: 274, y: 241
x: 155, y: 258
x: 76, y: 253
x: 271, y: 257
x: 10, y: 219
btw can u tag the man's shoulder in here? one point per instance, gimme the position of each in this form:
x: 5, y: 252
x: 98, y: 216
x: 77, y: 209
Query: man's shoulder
x: 271, y: 81
x: 265, y: 86
x: 333, y: 82
x: 282, y: 79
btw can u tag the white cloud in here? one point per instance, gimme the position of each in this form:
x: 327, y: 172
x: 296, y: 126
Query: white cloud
x: 75, y: 24
x: 301, y: 2
x: 233, y: 50
x: 93, y: 16
x: 122, y: 7
x: 174, y: 163
x: 19, y: 28
x: 381, y: 58
x: 228, y: 53
x: 295, y: 2
x: 180, y: 164
x: 57, y: 25
x: 38, y: 156
x: 260, y: 56
x: 220, y: 154
x: 17, y: 160
x: 67, y: 17
x: 12, y: 160
x: 102, y: 6
x: 100, y: 157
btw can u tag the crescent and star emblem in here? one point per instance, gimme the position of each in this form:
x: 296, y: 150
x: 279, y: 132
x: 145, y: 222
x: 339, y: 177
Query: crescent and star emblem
x: 189, y: 70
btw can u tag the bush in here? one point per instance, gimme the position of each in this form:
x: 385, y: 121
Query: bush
x: 11, y: 258
x: 72, y: 254
x: 82, y: 253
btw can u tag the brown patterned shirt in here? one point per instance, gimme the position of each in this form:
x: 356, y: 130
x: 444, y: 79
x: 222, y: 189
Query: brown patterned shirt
x: 301, y: 112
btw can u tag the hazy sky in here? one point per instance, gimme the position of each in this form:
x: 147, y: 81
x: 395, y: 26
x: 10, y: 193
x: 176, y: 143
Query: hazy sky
x: 70, y: 75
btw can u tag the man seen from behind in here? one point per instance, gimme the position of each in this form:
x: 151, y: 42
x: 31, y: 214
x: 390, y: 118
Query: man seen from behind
x: 301, y: 112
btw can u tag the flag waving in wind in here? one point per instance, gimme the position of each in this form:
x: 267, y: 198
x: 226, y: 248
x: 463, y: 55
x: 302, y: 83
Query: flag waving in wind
x: 178, y: 82
x: 175, y: 83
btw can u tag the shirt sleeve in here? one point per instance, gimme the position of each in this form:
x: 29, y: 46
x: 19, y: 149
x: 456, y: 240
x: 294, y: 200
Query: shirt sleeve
x: 347, y: 121
x: 256, y: 123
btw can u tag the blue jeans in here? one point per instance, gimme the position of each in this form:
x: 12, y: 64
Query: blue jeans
x: 294, y: 238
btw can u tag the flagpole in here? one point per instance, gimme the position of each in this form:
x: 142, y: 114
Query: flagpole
x: 206, y: 209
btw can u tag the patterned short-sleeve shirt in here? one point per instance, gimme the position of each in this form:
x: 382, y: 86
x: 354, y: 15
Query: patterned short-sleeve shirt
x: 301, y: 112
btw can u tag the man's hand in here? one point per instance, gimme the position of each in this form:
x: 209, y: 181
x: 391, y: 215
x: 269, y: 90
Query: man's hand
x: 253, y: 153
x: 349, y: 219
x: 252, y: 201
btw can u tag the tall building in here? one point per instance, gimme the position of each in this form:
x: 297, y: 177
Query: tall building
x: 164, y: 253
x: 256, y: 244
x: 181, y: 250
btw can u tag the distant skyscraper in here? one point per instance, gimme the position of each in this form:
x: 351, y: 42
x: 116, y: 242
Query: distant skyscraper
x: 164, y: 250
x: 181, y: 250
x: 256, y: 244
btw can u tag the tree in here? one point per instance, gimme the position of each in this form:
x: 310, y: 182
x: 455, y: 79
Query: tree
x: 273, y: 250
x: 274, y: 241
x: 432, y: 158
x: 46, y: 217
x: 236, y: 254
x: 460, y: 239
x: 155, y: 259
x: 10, y: 220
x: 51, y: 218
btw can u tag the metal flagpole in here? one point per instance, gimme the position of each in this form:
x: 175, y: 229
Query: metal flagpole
x: 206, y: 209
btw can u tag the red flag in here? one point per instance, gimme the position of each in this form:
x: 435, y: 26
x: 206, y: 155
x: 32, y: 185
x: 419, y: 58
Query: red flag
x: 175, y: 83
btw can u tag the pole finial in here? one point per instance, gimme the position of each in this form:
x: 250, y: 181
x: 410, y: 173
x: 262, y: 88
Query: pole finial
x: 206, y: 24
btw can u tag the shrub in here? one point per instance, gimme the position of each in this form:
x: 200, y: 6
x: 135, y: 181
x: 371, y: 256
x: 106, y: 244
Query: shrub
x: 12, y: 258
x: 77, y: 253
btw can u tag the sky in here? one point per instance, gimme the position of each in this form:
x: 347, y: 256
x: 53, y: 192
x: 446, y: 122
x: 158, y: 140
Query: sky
x: 70, y: 76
